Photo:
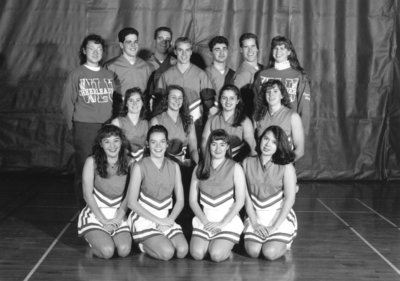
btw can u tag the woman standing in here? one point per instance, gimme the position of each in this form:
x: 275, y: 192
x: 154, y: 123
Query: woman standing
x: 132, y: 121
x: 218, y: 184
x: 272, y: 108
x: 283, y: 65
x: 177, y: 120
x: 232, y: 119
x: 154, y: 182
x: 103, y: 222
x: 87, y: 101
x: 271, y: 179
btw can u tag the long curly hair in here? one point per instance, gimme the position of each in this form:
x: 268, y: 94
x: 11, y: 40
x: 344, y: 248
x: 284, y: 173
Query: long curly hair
x: 203, y: 169
x: 261, y: 105
x: 292, y: 58
x: 128, y: 94
x: 239, y: 115
x: 100, y: 156
x: 184, y: 112
x: 284, y: 153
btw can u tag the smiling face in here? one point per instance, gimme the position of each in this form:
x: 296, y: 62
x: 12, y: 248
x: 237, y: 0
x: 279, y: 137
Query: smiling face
x: 249, y: 50
x: 268, y: 144
x: 218, y: 149
x: 175, y: 99
x: 134, y: 103
x: 130, y: 46
x: 273, y: 95
x: 111, y: 146
x: 183, y: 52
x: 157, y: 144
x: 163, y: 41
x: 228, y: 100
x: 280, y: 53
x: 220, y: 52
x: 93, y: 52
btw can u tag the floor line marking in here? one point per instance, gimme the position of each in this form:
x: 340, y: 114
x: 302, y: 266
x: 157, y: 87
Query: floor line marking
x: 50, y: 248
x: 361, y: 237
x: 378, y: 214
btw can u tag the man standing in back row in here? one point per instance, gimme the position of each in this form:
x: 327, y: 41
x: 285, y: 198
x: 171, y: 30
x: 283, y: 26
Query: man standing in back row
x: 131, y: 70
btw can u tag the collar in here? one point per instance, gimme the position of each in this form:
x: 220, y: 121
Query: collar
x: 282, y: 65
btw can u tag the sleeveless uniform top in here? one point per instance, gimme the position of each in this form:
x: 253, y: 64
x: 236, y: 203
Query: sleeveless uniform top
x: 157, y: 184
x: 265, y: 183
x: 235, y: 133
x: 178, y: 139
x: 281, y: 118
x: 136, y: 134
x: 113, y: 186
x: 218, y: 189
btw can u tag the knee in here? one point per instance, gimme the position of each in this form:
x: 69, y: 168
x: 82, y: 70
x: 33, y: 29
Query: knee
x: 271, y: 253
x: 106, y: 251
x: 252, y: 251
x: 166, y: 252
x: 196, y: 253
x: 181, y: 251
x: 124, y: 250
x: 218, y: 255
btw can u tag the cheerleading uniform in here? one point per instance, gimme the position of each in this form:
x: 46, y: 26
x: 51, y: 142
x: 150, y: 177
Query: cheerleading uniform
x: 217, y: 195
x: 136, y: 135
x: 265, y: 186
x: 155, y: 196
x: 108, y: 193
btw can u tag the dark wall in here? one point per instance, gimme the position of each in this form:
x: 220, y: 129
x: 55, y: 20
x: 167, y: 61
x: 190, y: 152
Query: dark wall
x: 348, y: 48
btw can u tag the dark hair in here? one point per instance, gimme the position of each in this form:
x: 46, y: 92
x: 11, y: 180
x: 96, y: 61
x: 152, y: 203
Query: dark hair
x: 91, y: 37
x: 217, y: 40
x: 292, y: 58
x: 130, y: 92
x: 184, y: 112
x: 246, y: 36
x: 162, y: 28
x: 239, y: 115
x: 100, y: 156
x: 155, y: 129
x: 183, y: 40
x: 203, y: 169
x: 125, y: 32
x: 261, y: 105
x: 284, y: 153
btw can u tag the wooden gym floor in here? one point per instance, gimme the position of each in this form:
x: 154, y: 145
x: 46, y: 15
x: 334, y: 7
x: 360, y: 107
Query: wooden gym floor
x: 347, y: 231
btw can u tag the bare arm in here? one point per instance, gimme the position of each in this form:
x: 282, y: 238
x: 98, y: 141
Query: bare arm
x: 240, y: 194
x: 248, y: 135
x: 205, y: 135
x: 297, y: 135
x: 88, y: 187
x: 178, y: 190
x: 289, y: 191
x: 194, y: 153
x: 194, y: 198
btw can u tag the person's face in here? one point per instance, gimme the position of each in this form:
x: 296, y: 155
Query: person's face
x: 280, y: 53
x: 111, y: 146
x: 163, y: 41
x: 268, y: 144
x: 229, y: 100
x: 273, y: 96
x: 220, y: 52
x: 134, y: 103
x: 183, y: 52
x: 130, y: 46
x: 218, y: 149
x: 249, y: 50
x: 175, y: 99
x: 93, y: 52
x: 157, y: 144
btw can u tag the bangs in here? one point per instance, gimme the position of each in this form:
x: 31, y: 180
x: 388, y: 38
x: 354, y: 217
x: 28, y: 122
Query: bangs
x: 220, y: 136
